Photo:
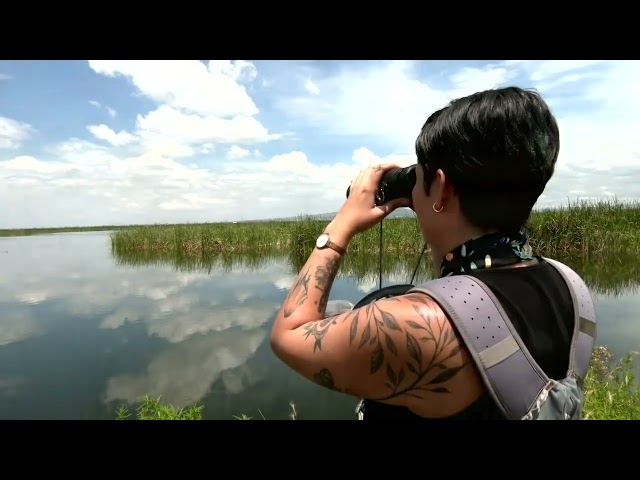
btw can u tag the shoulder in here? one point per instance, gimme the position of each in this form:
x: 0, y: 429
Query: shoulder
x: 439, y: 376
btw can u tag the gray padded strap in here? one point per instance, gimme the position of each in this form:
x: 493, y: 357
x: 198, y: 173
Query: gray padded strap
x: 584, y: 333
x: 510, y: 374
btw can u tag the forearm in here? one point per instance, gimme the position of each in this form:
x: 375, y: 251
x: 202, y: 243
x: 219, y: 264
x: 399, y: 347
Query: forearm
x: 309, y: 294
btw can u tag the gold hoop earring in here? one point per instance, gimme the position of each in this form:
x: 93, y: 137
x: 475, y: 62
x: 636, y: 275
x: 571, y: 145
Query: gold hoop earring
x: 436, y: 210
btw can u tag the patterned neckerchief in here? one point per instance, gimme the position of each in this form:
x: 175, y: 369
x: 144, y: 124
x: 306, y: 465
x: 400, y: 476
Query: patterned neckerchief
x: 492, y: 250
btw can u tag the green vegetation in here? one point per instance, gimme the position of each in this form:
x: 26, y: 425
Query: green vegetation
x: 611, y: 393
x: 587, y: 228
x: 206, y: 239
x: 155, y: 409
x: 584, y: 228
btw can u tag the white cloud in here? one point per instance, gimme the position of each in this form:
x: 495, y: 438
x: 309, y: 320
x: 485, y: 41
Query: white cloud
x: 194, y: 128
x: 188, y: 84
x: 102, y: 132
x: 169, y: 190
x: 311, y: 87
x: 382, y: 101
x: 195, y: 157
x: 199, y: 106
x: 363, y: 157
x: 111, y: 111
x: 543, y: 70
x: 390, y: 101
x: 236, y: 152
x: 475, y: 79
x: 13, y: 133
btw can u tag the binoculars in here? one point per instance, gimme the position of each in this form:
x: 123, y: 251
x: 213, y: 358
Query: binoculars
x: 396, y: 183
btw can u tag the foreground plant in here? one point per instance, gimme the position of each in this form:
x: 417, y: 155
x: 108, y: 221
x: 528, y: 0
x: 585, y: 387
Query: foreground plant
x: 155, y: 409
x: 612, y: 392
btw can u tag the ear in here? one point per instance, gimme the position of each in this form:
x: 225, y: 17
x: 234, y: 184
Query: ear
x: 442, y: 190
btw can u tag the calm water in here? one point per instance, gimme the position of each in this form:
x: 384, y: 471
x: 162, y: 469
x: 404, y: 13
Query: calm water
x: 82, y: 333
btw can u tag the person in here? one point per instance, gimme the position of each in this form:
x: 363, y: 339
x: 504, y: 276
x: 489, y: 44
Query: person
x: 482, y: 163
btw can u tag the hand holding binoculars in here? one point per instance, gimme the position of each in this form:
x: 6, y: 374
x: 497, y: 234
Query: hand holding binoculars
x: 396, y: 183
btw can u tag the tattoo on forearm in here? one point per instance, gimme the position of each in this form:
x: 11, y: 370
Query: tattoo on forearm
x: 370, y: 326
x: 298, y: 294
x: 325, y: 275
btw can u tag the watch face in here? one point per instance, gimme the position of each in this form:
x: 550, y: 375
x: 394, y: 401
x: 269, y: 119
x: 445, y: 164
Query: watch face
x: 322, y: 240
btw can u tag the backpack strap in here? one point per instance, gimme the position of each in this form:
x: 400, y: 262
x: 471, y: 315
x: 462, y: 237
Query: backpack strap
x: 512, y: 377
x: 585, y: 331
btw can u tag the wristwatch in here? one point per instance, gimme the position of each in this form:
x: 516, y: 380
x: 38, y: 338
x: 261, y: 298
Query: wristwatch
x: 324, y: 242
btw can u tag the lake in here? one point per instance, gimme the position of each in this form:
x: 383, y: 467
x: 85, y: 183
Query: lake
x: 83, y: 332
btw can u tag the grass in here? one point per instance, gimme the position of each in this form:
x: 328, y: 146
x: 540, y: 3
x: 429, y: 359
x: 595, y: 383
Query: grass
x: 203, y: 239
x: 611, y: 393
x: 588, y: 228
x: 154, y: 409
x: 582, y: 228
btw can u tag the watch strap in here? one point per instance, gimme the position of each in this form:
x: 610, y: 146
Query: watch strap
x: 336, y: 247
x: 333, y: 246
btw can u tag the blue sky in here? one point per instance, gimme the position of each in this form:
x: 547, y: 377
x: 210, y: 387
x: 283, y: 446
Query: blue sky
x: 119, y: 142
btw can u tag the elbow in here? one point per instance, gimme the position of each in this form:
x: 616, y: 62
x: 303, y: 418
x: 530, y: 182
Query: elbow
x: 280, y: 332
x: 280, y: 342
x: 276, y: 342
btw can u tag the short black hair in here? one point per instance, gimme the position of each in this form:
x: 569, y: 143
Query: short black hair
x: 498, y: 149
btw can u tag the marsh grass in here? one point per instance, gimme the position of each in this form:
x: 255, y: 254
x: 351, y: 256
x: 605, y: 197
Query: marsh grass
x: 209, y: 239
x: 581, y: 228
x: 611, y: 393
x: 589, y: 228
x: 399, y: 234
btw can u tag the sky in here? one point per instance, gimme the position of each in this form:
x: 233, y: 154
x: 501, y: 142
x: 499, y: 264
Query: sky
x: 115, y: 142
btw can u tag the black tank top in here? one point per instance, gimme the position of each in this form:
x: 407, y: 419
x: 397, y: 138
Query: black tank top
x: 539, y: 305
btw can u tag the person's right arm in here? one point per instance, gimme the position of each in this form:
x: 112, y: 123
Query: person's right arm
x: 400, y: 351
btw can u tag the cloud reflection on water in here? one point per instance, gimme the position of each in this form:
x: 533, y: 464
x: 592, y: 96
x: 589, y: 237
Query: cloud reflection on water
x: 183, y: 373
x: 161, y: 329
x: 211, y: 323
x: 16, y: 326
